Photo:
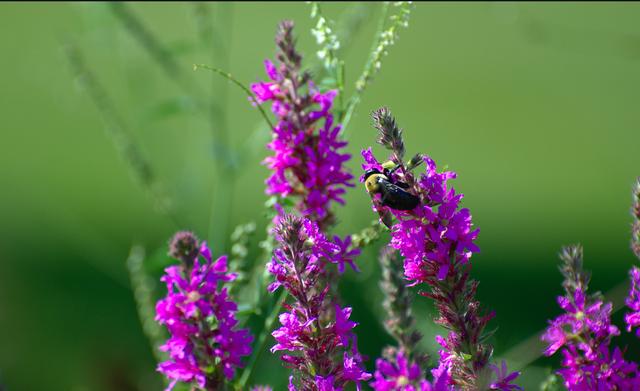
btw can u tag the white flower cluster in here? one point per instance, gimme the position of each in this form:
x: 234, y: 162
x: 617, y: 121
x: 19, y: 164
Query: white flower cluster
x: 325, y: 37
x: 387, y: 38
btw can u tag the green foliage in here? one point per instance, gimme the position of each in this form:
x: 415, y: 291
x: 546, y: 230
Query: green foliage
x: 513, y: 95
x: 385, y: 38
x: 246, y: 90
x: 551, y: 383
x: 238, y: 257
x: 367, y: 235
x: 129, y: 150
x: 325, y: 38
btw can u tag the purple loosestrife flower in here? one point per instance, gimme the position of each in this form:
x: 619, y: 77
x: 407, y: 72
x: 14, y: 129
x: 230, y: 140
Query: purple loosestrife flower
x: 632, y: 319
x: 437, y: 239
x: 205, y: 346
x: 319, y: 341
x: 306, y: 161
x: 584, y: 334
x: 503, y: 378
x: 499, y: 379
x: 635, y: 212
x: 399, y: 374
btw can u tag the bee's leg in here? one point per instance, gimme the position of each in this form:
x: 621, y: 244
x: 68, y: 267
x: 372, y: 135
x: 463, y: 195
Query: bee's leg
x: 386, y: 219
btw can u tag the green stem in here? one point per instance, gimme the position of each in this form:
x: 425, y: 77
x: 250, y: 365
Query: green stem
x: 355, y: 99
x: 261, y: 342
x: 211, y: 28
x: 151, y: 44
x: 235, y: 81
x: 340, y: 80
x: 123, y: 140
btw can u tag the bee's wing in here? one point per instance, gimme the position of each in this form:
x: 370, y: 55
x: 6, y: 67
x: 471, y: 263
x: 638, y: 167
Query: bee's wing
x: 395, y: 197
x: 402, y: 185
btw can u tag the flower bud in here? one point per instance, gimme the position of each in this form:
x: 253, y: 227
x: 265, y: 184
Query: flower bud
x: 184, y: 247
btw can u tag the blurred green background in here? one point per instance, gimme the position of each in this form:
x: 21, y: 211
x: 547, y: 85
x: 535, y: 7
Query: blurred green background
x: 534, y: 105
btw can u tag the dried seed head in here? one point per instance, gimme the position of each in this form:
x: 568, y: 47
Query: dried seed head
x: 389, y: 133
x: 397, y: 303
x: 286, y: 44
x: 575, y: 277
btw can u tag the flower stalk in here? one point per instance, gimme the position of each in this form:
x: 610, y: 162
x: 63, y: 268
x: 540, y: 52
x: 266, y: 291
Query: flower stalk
x: 632, y: 319
x: 205, y: 346
x: 318, y: 340
x: 635, y: 213
x: 436, y: 239
x: 584, y: 332
x: 401, y: 367
x: 307, y: 163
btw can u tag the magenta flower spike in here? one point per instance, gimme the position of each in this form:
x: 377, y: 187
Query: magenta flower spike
x: 635, y: 213
x: 436, y: 239
x: 205, y: 346
x: 317, y: 338
x: 583, y: 335
x: 307, y: 163
x: 632, y: 319
x: 402, y: 375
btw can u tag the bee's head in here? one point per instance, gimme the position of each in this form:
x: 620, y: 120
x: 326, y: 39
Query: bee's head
x: 370, y: 172
x: 371, y: 180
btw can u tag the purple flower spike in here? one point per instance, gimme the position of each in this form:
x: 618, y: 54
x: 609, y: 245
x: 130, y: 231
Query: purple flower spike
x: 504, y: 378
x: 632, y: 319
x: 346, y: 255
x: 205, y: 347
x: 436, y: 239
x: 635, y: 213
x: 307, y: 162
x: 316, y: 333
x: 583, y: 334
x: 401, y: 375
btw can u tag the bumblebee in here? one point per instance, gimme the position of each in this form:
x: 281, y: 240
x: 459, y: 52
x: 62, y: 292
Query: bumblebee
x: 393, y: 193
